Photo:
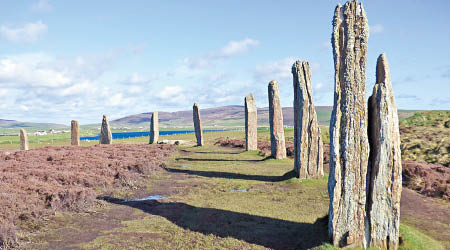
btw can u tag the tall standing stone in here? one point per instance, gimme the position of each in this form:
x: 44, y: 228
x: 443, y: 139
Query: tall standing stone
x: 385, y: 167
x: 277, y: 142
x: 349, y: 146
x: 197, y: 125
x: 105, y: 132
x: 23, y: 140
x: 308, y: 145
x: 251, y: 123
x: 75, y: 133
x: 154, y: 128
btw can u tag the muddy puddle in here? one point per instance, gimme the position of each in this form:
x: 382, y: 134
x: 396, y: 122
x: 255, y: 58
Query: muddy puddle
x: 241, y: 190
x: 149, y: 198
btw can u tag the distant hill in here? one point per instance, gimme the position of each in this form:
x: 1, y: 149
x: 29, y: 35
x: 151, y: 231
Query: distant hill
x: 233, y: 115
x: 34, y: 125
x: 227, y: 116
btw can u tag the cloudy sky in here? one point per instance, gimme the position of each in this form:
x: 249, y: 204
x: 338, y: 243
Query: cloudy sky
x: 63, y: 60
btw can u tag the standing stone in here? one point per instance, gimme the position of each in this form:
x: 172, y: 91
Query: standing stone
x: 251, y: 123
x: 308, y: 145
x: 349, y: 146
x: 154, y: 128
x: 277, y: 143
x: 105, y: 132
x: 385, y: 167
x: 24, y: 140
x: 198, y: 125
x: 75, y: 133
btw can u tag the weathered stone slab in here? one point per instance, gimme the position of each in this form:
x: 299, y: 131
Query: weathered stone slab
x: 349, y: 146
x: 105, y: 132
x: 385, y: 167
x: 23, y: 140
x: 197, y: 125
x: 308, y: 145
x: 75, y: 133
x: 251, y: 123
x: 154, y: 128
x: 277, y: 141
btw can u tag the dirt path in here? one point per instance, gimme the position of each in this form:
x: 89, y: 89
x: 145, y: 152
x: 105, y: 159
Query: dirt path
x: 431, y: 216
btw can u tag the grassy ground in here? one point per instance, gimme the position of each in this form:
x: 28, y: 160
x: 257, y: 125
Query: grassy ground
x: 205, y: 207
x: 426, y: 137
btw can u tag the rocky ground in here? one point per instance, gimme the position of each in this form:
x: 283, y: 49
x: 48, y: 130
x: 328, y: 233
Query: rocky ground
x: 37, y: 183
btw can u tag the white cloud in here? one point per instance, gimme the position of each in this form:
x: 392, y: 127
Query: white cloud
x: 78, y: 88
x: 22, y: 74
x: 119, y: 100
x: 176, y: 97
x: 170, y: 92
x: 318, y: 86
x: 3, y: 92
x: 232, y: 48
x: 41, y: 87
x: 28, y: 33
x: 137, y: 85
x: 134, y: 90
x: 217, y: 77
x: 276, y: 70
x: 42, y: 6
x: 325, y: 45
x: 137, y: 48
x: 236, y: 47
x: 377, y: 28
x: 24, y: 108
x: 137, y: 79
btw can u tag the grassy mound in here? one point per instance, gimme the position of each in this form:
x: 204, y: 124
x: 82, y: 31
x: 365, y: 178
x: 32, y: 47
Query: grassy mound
x: 425, y: 137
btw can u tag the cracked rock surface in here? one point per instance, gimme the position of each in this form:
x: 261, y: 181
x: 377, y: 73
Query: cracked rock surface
x: 308, y: 145
x: 251, y: 123
x: 277, y: 141
x: 75, y: 133
x: 105, y: 132
x: 197, y: 125
x: 349, y: 146
x: 154, y: 128
x: 385, y: 167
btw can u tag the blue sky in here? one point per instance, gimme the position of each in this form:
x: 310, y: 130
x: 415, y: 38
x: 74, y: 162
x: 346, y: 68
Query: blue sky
x: 64, y: 60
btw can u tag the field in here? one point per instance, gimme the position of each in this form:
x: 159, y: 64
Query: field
x: 221, y: 198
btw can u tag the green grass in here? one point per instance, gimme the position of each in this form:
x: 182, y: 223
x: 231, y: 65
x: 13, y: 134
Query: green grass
x: 428, y: 118
x: 413, y: 239
x: 426, y: 137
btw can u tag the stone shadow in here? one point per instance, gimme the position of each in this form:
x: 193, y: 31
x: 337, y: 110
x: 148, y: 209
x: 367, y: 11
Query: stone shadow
x: 264, y: 231
x: 204, y: 159
x: 228, y: 175
x: 207, y: 152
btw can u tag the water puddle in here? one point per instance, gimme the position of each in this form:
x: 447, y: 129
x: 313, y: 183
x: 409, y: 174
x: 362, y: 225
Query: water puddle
x: 242, y: 190
x: 149, y: 198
